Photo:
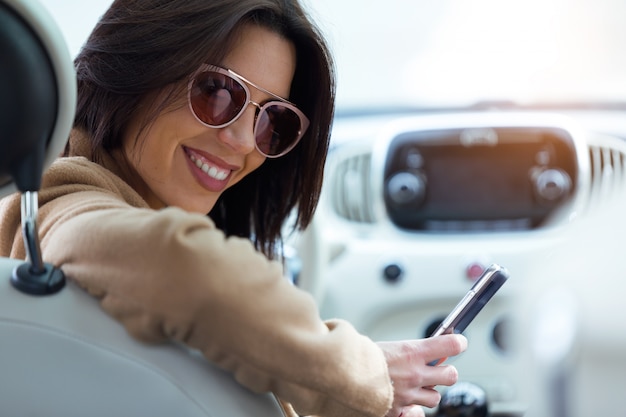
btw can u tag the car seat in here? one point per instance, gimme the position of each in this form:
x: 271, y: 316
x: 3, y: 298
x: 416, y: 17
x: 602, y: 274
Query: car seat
x: 60, y: 354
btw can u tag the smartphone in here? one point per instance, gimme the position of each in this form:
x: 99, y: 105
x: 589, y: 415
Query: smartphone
x: 474, y: 300
x: 470, y: 305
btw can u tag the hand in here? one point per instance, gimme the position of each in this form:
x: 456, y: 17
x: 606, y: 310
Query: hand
x: 413, y: 379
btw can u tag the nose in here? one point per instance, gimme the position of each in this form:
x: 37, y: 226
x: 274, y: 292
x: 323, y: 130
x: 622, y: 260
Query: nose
x: 239, y: 135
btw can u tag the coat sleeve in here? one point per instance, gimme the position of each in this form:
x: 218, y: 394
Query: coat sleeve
x: 172, y: 275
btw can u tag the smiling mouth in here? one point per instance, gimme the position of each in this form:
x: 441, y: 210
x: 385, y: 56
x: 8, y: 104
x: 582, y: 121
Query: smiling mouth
x: 210, y: 170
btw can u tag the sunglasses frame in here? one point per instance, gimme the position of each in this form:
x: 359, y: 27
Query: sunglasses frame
x: 260, y: 107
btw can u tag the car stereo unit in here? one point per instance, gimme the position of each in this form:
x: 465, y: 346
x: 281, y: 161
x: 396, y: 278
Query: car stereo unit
x: 478, y: 177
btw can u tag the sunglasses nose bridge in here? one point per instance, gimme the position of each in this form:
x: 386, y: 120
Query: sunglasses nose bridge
x: 257, y: 110
x: 257, y: 105
x: 239, y: 137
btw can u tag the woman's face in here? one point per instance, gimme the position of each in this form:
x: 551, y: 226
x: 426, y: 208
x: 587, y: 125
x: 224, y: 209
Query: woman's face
x: 166, y: 157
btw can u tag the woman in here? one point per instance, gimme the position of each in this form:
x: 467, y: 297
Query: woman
x: 220, y: 107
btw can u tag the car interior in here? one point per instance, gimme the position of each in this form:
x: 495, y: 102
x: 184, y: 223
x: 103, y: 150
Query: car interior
x: 416, y: 205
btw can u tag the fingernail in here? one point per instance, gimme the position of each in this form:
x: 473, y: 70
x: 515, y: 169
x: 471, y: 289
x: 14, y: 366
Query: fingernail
x: 463, y: 341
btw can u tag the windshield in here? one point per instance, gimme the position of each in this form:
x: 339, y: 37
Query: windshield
x: 453, y: 53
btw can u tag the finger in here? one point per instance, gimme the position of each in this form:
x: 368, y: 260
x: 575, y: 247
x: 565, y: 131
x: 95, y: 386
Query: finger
x: 427, y: 397
x: 444, y: 346
x: 439, y: 375
x: 422, y: 397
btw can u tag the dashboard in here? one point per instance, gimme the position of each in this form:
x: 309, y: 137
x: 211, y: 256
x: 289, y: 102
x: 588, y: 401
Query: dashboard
x: 415, y: 207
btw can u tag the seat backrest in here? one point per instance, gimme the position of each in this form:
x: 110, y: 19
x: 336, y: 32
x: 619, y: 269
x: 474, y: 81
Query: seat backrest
x: 60, y: 355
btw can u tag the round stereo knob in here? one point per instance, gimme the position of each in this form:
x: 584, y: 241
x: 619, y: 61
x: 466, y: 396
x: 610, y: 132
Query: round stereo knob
x: 552, y: 185
x: 406, y: 189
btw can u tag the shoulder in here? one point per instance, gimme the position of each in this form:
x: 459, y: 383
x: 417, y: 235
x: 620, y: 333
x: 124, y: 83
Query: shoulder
x: 70, y: 175
x: 78, y: 170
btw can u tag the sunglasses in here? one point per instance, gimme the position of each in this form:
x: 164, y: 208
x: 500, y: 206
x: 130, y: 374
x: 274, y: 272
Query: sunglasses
x: 219, y: 96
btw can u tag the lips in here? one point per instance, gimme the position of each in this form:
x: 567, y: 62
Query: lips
x: 209, y: 174
x: 211, y: 170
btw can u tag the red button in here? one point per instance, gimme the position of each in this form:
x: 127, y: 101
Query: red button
x: 474, y: 271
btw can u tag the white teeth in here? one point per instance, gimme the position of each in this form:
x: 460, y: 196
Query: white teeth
x: 212, y: 172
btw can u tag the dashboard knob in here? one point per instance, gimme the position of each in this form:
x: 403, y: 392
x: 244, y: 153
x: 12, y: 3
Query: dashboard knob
x: 552, y: 184
x: 463, y: 399
x: 392, y: 273
x: 406, y: 189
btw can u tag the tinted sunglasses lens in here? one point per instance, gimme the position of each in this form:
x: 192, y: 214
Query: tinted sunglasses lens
x: 277, y: 129
x: 216, y: 98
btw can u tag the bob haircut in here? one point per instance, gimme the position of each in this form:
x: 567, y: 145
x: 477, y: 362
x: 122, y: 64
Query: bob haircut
x: 142, y: 48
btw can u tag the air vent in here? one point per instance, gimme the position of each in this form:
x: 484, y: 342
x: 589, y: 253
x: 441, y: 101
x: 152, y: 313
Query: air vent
x: 607, y: 157
x: 352, y: 198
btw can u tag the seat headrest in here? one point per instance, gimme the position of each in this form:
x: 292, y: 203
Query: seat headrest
x: 37, y: 94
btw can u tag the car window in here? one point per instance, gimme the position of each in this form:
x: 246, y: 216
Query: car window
x: 450, y: 53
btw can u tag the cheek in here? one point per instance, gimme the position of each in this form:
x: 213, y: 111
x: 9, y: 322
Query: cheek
x: 150, y: 156
x: 155, y: 150
x: 154, y: 159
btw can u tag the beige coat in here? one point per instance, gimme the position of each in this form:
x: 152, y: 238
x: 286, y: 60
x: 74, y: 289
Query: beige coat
x: 171, y: 275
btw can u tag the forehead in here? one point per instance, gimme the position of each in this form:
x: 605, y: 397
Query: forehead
x: 263, y: 57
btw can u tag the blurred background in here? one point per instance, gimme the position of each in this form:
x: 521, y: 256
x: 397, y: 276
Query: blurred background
x: 452, y: 52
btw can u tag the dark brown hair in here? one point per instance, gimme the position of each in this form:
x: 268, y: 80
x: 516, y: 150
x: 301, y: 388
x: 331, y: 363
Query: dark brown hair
x: 141, y: 47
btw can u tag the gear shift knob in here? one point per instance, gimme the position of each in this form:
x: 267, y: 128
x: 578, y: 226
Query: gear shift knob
x: 463, y: 399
